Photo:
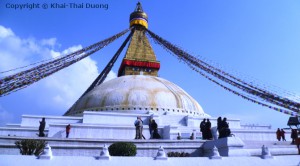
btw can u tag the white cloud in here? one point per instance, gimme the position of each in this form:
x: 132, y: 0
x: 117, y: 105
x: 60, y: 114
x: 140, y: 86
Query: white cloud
x: 54, y: 54
x: 72, y: 81
x: 5, y: 32
x: 16, y: 52
x: 58, y: 91
x: 71, y: 49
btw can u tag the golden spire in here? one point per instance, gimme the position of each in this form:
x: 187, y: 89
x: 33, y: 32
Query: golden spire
x: 140, y: 57
x: 138, y: 17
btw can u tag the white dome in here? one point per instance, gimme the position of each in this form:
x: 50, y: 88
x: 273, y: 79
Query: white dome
x: 138, y: 94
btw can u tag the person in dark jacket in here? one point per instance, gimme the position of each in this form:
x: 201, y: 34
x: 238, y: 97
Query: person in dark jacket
x: 282, y: 133
x: 150, y: 128
x: 294, y: 135
x: 42, y: 128
x: 155, y: 130
x: 219, y: 124
x: 202, y: 129
x: 208, y: 130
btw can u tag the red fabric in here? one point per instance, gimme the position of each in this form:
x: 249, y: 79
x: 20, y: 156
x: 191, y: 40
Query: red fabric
x: 68, y: 128
x: 135, y: 63
x: 140, y: 64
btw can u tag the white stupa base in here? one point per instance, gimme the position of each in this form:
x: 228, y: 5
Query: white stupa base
x: 107, y: 127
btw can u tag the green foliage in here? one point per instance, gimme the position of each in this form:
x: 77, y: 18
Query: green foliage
x: 31, y: 146
x: 122, y: 149
x: 178, y: 154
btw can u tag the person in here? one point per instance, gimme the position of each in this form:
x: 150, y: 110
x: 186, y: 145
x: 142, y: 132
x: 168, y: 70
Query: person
x: 297, y: 140
x: 294, y: 135
x: 178, y: 136
x: 150, y: 128
x: 278, y: 134
x: 224, y: 129
x: 282, y: 133
x: 155, y: 130
x: 142, y: 129
x: 138, y: 128
x: 42, y: 128
x: 202, y: 127
x: 224, y: 123
x: 219, y: 124
x: 192, y: 137
x: 207, y: 130
x: 68, y: 128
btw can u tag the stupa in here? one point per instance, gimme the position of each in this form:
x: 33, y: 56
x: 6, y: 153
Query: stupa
x: 137, y: 89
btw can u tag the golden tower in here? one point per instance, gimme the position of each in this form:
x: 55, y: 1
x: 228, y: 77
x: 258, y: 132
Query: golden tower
x: 139, y: 58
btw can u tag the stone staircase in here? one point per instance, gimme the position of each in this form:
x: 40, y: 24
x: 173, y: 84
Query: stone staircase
x: 92, y: 147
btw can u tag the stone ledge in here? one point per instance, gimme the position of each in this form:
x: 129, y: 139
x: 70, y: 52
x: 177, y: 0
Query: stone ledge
x: 148, y: 161
x: 52, y: 117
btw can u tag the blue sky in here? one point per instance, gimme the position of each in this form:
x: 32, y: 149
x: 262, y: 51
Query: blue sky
x: 259, y: 39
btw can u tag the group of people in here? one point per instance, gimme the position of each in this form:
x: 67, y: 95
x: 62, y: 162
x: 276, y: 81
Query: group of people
x: 43, y: 125
x: 223, y: 127
x: 280, y: 134
x: 153, y: 129
x: 205, y: 128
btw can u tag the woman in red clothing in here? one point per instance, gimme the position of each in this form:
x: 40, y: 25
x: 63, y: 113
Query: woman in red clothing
x: 68, y: 128
x: 278, y: 134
